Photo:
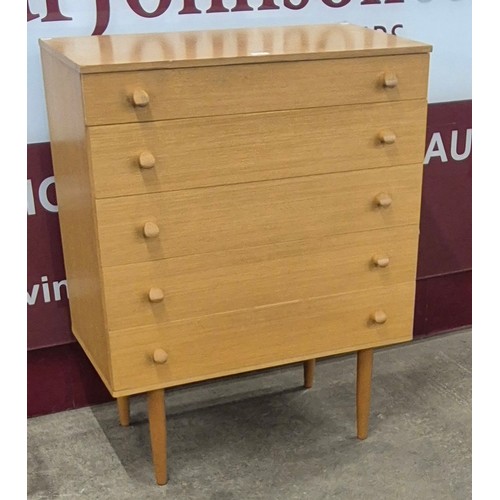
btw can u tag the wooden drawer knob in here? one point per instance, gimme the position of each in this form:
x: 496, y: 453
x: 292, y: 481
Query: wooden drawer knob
x: 160, y: 356
x: 383, y: 200
x: 140, y: 98
x: 151, y: 230
x: 380, y: 261
x: 387, y: 137
x: 146, y: 160
x: 379, y: 317
x: 156, y: 294
x: 390, y: 80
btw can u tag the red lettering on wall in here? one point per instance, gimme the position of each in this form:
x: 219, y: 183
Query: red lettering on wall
x: 338, y: 3
x: 53, y: 12
x: 217, y: 6
x: 102, y: 16
x: 103, y: 11
x: 289, y: 5
x: 190, y: 8
x: 136, y: 6
x: 268, y: 5
x: 31, y: 16
x: 241, y: 6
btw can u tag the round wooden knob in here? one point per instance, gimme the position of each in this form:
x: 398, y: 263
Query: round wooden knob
x: 160, y: 356
x: 151, y: 230
x: 156, y: 294
x: 380, y: 260
x: 140, y: 98
x: 390, y: 80
x: 383, y: 200
x: 146, y: 160
x: 379, y: 317
x: 387, y: 137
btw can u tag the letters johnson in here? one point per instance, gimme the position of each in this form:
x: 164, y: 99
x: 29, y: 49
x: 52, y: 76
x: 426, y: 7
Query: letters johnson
x: 103, y: 12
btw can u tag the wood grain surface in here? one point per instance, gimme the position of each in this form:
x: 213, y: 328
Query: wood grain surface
x: 205, y: 220
x: 198, y: 152
x: 205, y: 284
x: 228, y: 90
x: 76, y: 208
x: 224, y: 344
x: 102, y: 54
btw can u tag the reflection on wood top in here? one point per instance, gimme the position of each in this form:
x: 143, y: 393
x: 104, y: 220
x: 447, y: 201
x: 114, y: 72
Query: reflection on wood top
x: 96, y: 54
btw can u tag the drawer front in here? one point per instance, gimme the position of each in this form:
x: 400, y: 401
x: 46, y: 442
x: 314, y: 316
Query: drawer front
x: 240, y: 341
x: 199, y: 285
x: 171, y: 155
x: 195, y: 221
x: 137, y: 96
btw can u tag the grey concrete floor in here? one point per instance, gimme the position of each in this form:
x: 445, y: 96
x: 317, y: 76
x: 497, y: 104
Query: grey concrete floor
x: 262, y: 436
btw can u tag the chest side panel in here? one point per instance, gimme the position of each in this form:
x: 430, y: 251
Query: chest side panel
x: 76, y: 212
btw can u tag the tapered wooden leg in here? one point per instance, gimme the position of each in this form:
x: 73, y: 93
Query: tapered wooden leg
x: 158, y: 433
x: 309, y: 367
x: 363, y: 391
x: 123, y: 410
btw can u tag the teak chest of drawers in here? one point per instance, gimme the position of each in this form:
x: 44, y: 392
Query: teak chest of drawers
x: 236, y: 200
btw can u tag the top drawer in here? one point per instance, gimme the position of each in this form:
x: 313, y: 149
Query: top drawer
x: 136, y: 96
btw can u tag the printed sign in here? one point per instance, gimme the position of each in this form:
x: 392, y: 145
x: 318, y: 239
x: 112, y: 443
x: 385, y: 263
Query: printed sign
x: 446, y: 215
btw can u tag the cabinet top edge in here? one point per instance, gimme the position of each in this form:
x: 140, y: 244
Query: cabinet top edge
x: 105, y: 53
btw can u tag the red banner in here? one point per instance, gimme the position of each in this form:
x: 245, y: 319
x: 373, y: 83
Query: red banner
x: 48, y: 308
x: 446, y: 217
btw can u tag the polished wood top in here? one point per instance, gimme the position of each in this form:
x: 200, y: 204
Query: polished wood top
x: 97, y: 54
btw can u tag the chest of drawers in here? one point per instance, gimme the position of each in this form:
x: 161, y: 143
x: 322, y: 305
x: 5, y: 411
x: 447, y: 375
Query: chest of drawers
x: 236, y: 200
